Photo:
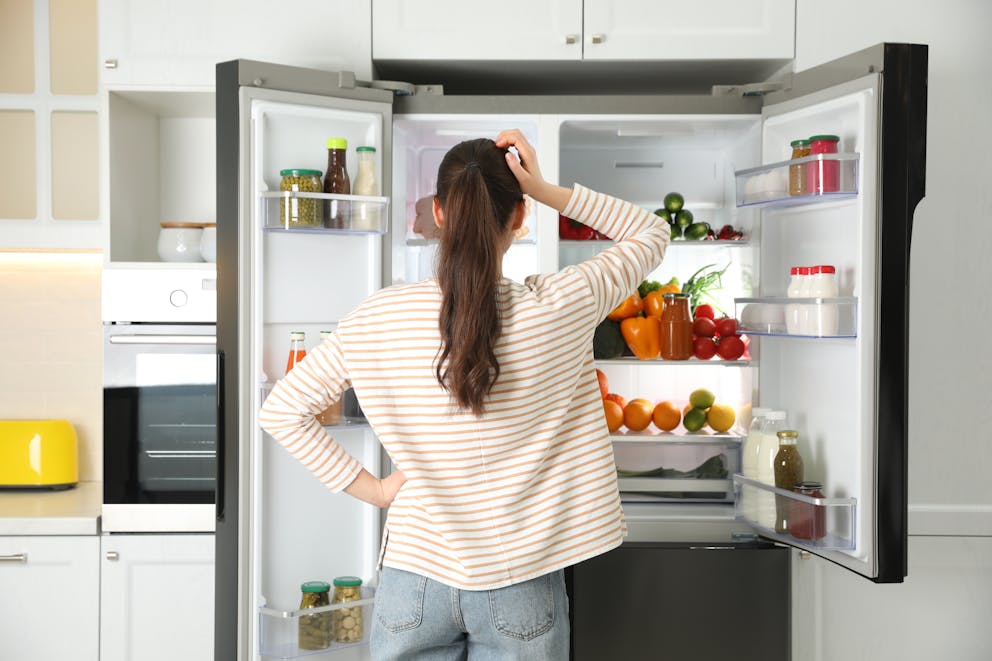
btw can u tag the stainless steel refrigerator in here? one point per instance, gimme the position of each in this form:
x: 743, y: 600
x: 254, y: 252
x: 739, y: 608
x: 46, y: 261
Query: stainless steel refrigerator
x: 727, y: 152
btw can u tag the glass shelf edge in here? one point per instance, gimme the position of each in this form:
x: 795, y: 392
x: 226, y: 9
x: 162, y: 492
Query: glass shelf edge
x: 658, y: 361
x: 843, y: 156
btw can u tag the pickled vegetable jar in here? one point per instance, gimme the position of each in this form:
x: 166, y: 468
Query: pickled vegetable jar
x: 676, y: 328
x: 300, y: 211
x: 348, y: 626
x: 315, y: 630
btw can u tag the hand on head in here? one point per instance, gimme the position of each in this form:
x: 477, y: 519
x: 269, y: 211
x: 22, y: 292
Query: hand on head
x: 523, y: 164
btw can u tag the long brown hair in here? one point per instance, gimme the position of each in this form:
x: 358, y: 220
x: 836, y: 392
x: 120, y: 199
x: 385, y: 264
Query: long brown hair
x: 477, y: 193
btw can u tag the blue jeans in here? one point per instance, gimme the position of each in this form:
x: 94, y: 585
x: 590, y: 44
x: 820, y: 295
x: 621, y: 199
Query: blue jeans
x: 418, y: 618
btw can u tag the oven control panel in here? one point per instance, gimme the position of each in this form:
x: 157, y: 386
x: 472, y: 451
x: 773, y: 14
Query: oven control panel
x: 186, y: 295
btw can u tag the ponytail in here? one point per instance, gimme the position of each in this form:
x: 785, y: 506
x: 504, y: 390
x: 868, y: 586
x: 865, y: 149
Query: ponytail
x: 477, y: 193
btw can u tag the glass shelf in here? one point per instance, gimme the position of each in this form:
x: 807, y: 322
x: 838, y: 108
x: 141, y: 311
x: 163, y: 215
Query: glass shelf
x: 303, y: 212
x: 661, y: 466
x: 433, y: 242
x: 603, y: 245
x: 827, y: 524
x: 832, y: 176
x: 798, y: 317
x: 279, y: 631
x: 633, y: 360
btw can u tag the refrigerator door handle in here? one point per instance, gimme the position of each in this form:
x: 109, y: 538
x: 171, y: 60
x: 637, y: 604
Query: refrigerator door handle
x: 219, y: 443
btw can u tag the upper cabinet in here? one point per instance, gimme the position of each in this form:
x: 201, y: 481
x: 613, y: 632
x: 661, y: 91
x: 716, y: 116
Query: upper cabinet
x: 179, y: 42
x: 583, y: 30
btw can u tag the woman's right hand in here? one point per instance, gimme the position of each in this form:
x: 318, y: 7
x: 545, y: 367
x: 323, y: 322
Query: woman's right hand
x: 524, y: 167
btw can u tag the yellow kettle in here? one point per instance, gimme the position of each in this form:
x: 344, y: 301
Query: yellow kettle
x: 38, y: 454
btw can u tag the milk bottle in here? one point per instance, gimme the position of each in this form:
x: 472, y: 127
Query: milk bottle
x: 767, y: 449
x: 749, y: 462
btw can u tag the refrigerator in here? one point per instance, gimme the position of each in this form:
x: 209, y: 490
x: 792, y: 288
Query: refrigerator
x: 727, y: 153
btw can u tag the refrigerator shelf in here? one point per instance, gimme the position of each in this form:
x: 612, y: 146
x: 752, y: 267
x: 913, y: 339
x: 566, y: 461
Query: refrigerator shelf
x: 279, y: 630
x: 783, y: 317
x: 675, y: 467
x: 417, y: 242
x: 695, y: 438
x: 361, y: 214
x: 633, y: 360
x: 603, y: 245
x: 768, y: 185
x: 832, y: 521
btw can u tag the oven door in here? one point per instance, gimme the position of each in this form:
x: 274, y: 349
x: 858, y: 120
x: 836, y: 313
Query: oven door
x: 159, y: 427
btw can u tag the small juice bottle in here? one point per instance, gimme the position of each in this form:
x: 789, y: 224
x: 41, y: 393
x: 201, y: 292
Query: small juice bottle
x: 296, y: 349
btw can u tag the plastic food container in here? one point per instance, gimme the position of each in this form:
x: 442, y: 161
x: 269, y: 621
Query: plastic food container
x: 180, y: 242
x: 301, y: 211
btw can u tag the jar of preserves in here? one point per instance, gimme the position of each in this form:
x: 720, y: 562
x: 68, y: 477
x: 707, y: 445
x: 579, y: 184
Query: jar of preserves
x: 348, y: 622
x: 808, y: 520
x: 676, y: 328
x: 797, y: 173
x: 315, y: 630
x: 823, y: 176
x: 337, y: 213
x: 788, y: 473
x: 300, y: 211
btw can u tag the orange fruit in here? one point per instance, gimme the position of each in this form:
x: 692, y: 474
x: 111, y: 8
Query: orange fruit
x: 604, y: 384
x: 637, y: 414
x: 613, y: 397
x: 614, y: 415
x: 666, y: 416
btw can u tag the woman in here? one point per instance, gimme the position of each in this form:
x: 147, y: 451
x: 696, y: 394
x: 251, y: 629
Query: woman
x: 483, y: 392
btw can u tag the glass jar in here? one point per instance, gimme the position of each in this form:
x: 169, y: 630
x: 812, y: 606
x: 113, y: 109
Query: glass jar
x: 332, y: 414
x: 797, y: 173
x: 366, y: 216
x: 300, y: 211
x: 337, y: 212
x: 315, y: 630
x: 348, y: 622
x: 808, y: 520
x: 676, y: 328
x: 297, y: 349
x: 823, y: 176
x: 788, y: 473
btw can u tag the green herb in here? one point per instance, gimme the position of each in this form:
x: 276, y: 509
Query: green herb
x: 702, y: 282
x: 647, y: 287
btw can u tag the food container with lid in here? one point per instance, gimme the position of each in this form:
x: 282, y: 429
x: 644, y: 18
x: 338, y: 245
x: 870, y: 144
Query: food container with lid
x: 315, y: 630
x: 300, y: 211
x: 180, y: 242
x: 348, y: 623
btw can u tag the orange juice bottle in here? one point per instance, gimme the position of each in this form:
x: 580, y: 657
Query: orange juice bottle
x: 296, y: 349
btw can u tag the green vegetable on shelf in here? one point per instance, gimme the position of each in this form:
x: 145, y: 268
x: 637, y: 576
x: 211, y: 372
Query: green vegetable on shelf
x: 702, y: 282
x: 607, y: 340
x: 713, y: 468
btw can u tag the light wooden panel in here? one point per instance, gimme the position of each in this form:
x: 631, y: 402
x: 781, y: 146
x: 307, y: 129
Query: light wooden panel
x: 17, y: 166
x: 17, y: 46
x: 75, y: 166
x: 73, y: 39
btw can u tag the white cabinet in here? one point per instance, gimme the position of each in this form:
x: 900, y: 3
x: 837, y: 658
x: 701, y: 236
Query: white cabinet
x: 157, y: 597
x: 583, y: 29
x: 49, y: 599
x: 178, y: 42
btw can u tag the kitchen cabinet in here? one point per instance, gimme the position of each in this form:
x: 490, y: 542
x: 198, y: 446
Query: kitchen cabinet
x: 157, y: 597
x: 49, y: 603
x: 583, y: 30
x: 179, y: 42
x: 645, y: 601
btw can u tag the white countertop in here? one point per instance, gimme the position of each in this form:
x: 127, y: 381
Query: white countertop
x: 73, y: 511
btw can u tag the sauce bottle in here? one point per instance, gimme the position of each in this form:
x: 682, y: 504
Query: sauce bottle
x: 797, y: 173
x: 366, y: 216
x: 788, y: 473
x: 337, y: 212
x: 296, y: 349
x: 676, y: 328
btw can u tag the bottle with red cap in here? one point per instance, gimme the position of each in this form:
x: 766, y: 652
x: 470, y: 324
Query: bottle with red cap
x: 793, y: 310
x: 823, y: 316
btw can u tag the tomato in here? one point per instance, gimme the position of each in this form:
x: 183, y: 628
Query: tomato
x: 703, y: 327
x: 730, y: 347
x: 705, y: 310
x: 726, y: 327
x: 703, y: 348
x: 604, y: 383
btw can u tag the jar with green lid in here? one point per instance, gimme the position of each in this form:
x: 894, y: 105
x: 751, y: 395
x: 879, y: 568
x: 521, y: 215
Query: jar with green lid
x: 348, y: 624
x: 315, y: 631
x: 300, y: 211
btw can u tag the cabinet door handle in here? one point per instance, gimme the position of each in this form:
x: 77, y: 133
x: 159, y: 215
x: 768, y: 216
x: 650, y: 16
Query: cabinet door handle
x: 110, y: 63
x: 598, y: 39
x: 17, y: 557
x: 571, y: 39
x: 113, y: 556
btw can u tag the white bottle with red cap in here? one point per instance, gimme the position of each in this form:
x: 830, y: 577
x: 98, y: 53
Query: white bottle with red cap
x: 792, y: 310
x: 823, y: 284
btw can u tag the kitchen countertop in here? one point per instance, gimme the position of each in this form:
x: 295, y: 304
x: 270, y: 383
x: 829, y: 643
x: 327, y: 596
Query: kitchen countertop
x: 73, y: 511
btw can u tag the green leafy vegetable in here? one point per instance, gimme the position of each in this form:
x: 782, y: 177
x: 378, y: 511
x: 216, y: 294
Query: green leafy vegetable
x: 702, y: 282
x: 607, y: 341
x: 713, y: 468
x: 647, y: 287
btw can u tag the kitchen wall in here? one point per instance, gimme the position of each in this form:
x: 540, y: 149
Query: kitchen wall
x: 50, y: 332
x: 941, y: 610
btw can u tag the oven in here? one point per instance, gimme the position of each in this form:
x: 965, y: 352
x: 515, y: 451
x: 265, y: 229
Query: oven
x: 160, y: 405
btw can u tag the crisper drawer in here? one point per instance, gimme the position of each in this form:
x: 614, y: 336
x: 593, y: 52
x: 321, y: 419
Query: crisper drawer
x: 660, y: 467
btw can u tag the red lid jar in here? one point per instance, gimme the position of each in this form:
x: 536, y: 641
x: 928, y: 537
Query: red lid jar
x: 822, y: 175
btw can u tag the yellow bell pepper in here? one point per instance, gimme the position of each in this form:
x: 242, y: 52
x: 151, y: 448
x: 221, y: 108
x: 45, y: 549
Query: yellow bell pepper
x: 642, y: 335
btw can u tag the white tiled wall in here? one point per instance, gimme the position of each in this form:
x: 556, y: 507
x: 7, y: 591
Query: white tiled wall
x: 51, y: 346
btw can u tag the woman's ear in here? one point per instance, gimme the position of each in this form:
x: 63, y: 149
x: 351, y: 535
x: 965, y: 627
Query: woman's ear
x: 519, y: 214
x: 438, y: 213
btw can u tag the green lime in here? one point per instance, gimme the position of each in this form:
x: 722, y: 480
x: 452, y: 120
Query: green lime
x: 683, y: 218
x: 674, y: 202
x: 702, y: 398
x: 664, y: 213
x: 676, y: 231
x: 694, y: 419
x: 696, y: 231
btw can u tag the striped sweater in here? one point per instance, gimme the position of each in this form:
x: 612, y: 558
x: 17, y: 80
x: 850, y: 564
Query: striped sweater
x: 530, y: 486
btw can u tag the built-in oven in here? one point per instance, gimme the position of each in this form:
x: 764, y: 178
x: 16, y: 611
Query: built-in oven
x: 160, y: 400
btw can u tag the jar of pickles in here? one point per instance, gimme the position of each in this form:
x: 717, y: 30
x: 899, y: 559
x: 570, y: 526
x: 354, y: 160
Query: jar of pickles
x: 797, y: 173
x: 347, y: 624
x: 315, y: 631
x: 300, y: 211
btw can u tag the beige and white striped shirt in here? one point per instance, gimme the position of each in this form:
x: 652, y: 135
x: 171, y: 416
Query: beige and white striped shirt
x: 530, y: 486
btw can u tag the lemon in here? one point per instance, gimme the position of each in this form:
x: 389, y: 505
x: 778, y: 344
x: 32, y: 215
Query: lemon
x: 702, y: 398
x: 694, y: 420
x: 721, y: 417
